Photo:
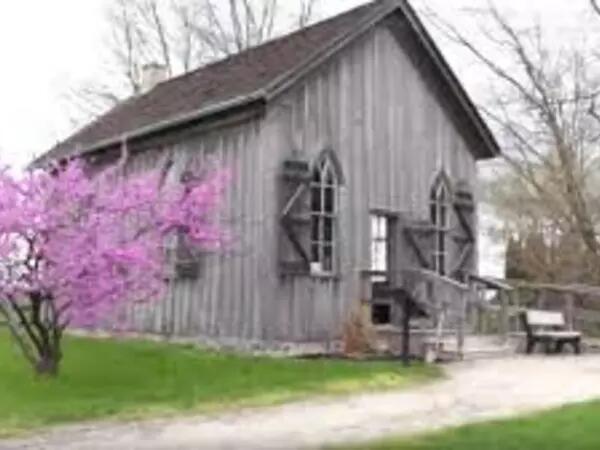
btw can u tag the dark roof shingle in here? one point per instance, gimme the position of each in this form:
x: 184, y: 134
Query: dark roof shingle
x: 224, y: 80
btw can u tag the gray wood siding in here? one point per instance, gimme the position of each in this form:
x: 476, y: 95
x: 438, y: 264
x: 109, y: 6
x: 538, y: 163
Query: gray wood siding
x: 372, y: 106
x: 226, y: 301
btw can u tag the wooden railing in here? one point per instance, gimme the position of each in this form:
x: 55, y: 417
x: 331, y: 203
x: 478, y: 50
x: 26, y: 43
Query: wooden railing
x: 580, y: 305
x: 446, y: 302
x: 486, y: 306
x: 491, y: 312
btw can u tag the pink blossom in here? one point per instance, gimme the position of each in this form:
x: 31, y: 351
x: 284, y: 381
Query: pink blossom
x: 91, y: 245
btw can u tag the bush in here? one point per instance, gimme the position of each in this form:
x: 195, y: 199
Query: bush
x: 358, y: 337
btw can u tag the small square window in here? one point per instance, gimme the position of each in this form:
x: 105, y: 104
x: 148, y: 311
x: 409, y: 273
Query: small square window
x: 381, y: 314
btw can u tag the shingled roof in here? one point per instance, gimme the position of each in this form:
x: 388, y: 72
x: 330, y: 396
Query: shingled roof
x: 239, y: 79
x: 217, y: 83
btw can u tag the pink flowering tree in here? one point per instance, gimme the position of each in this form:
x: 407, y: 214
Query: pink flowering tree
x: 75, y: 249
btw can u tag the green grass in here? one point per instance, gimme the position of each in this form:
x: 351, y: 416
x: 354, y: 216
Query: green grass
x: 569, y: 428
x: 132, y: 379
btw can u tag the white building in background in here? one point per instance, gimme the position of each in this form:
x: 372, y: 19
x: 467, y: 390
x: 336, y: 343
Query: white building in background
x: 492, y: 244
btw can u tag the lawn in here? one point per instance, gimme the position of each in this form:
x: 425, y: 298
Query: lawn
x: 569, y: 428
x: 132, y: 379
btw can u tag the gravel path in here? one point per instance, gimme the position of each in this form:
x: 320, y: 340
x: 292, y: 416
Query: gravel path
x: 472, y: 392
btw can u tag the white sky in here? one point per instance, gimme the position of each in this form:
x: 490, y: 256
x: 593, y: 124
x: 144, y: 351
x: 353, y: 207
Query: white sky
x: 49, y: 46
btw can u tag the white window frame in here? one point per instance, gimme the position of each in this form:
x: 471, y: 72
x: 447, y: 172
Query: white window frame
x: 380, y: 246
x: 440, y: 218
x: 324, y: 211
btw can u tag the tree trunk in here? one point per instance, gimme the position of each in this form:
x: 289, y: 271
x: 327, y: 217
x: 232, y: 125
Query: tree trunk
x: 48, y: 366
x: 48, y: 363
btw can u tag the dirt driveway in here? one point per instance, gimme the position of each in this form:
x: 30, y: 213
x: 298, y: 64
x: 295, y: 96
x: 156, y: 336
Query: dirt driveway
x: 473, y: 391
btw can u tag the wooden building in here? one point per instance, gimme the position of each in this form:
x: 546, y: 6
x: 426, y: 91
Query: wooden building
x: 354, y: 151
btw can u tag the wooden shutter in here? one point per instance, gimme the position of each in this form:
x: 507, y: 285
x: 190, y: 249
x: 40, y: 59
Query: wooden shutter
x: 294, y: 218
x: 412, y: 247
x: 187, y: 260
x: 464, y: 235
x: 184, y: 262
x: 184, y: 259
x: 419, y: 238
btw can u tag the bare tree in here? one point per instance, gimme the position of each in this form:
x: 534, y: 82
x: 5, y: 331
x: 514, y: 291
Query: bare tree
x: 180, y: 35
x: 595, y: 6
x: 544, y: 109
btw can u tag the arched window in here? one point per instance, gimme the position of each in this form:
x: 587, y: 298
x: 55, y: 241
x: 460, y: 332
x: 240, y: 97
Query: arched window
x: 440, y: 218
x: 324, y: 195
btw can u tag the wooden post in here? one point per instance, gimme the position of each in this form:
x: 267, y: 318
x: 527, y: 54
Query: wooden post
x: 504, y: 318
x: 541, y: 299
x: 475, y: 313
x: 516, y: 300
x: 434, y: 299
x: 460, y: 329
x: 406, y: 330
x: 570, y: 311
x: 481, y: 325
x: 472, y: 317
x: 468, y: 313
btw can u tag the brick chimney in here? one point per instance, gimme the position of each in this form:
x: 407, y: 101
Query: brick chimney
x: 152, y: 75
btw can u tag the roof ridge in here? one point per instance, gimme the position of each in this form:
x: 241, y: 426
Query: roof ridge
x: 246, y: 79
x: 274, y: 40
x: 97, y: 129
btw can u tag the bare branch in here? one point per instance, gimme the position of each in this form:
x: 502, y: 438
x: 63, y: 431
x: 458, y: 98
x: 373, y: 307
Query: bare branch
x: 544, y: 111
x: 159, y: 27
x: 595, y: 6
x: 306, y: 12
x: 181, y: 35
x: 26, y: 349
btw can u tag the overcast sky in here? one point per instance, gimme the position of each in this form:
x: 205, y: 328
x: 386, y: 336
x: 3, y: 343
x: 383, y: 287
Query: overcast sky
x: 49, y: 46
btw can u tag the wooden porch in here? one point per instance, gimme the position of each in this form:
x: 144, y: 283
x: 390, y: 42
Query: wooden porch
x: 441, y: 319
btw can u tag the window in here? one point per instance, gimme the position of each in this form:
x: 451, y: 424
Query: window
x: 380, y: 247
x: 440, y: 210
x: 324, y: 214
x: 381, y: 313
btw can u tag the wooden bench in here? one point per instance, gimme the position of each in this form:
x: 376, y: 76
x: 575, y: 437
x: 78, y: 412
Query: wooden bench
x: 550, y: 329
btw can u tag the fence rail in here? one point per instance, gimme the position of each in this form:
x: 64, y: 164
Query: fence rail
x: 580, y: 305
x: 494, y: 307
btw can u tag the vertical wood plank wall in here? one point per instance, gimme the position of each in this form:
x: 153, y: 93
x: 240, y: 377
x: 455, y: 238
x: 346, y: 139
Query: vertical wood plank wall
x: 372, y: 106
x: 224, y: 303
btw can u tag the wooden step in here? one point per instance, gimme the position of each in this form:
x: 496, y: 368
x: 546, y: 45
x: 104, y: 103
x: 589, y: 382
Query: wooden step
x: 477, y: 347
